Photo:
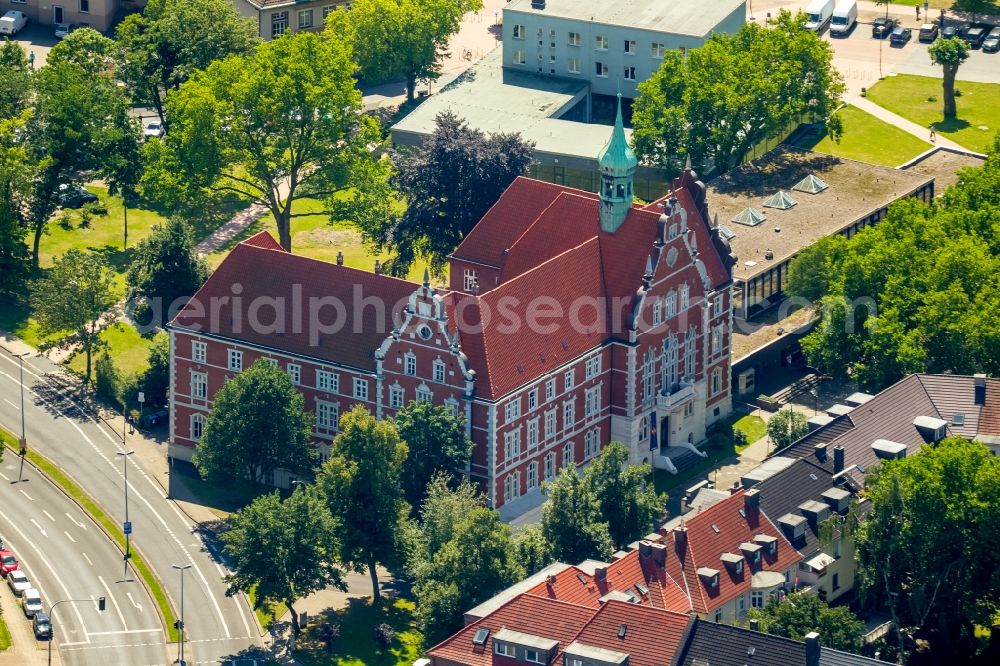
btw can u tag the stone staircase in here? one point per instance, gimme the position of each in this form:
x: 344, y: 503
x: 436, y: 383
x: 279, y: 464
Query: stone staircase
x: 682, y: 457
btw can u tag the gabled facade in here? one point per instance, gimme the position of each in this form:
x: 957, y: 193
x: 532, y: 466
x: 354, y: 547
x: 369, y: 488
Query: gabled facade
x: 277, y: 17
x: 571, y: 319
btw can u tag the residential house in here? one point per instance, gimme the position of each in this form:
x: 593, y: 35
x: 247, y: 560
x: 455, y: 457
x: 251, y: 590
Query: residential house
x: 99, y: 14
x: 276, y: 17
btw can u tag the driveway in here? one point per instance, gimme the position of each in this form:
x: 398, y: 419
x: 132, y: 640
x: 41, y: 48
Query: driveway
x: 38, y: 39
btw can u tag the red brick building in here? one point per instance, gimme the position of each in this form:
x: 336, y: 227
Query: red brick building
x: 572, y: 319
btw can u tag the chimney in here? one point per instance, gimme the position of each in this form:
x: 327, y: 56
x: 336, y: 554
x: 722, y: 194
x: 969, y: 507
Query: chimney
x: 751, y: 501
x: 601, y: 574
x: 550, y: 579
x: 812, y: 649
x: 754, y: 624
x: 378, y: 267
x: 681, y: 536
x: 820, y: 450
x: 736, y: 488
x: 340, y: 258
x: 980, y: 388
x: 645, y: 548
x: 660, y: 554
x: 838, y: 459
x: 684, y: 502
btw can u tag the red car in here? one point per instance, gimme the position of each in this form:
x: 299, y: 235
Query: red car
x: 8, y: 562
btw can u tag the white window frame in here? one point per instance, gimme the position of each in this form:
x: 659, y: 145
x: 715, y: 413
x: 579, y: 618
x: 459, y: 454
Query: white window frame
x: 360, y: 388
x: 439, y: 371
x: 235, y: 360
x: 573, y: 66
x: 569, y: 415
x: 395, y: 397
x: 592, y: 402
x: 470, y: 278
x: 327, y: 416
x: 593, y: 367
x: 327, y: 381
x: 716, y: 381
x: 518, y: 32
x: 199, y: 351
x: 648, y: 372
x: 670, y: 305
x: 600, y: 69
x: 575, y: 38
x: 308, y: 13
x: 629, y: 73
x: 410, y: 364
x: 685, y: 297
x: 569, y: 380
x: 532, y: 476
x: 658, y: 50
x: 294, y: 373
x: 600, y: 43
x: 519, y: 58
x: 551, y: 426
x: 532, y: 399
x: 550, y: 465
x: 503, y: 649
x: 424, y: 394
x: 689, y: 354
x: 717, y: 306
x: 533, y: 433
x: 630, y: 47
x: 327, y: 10
x: 567, y: 455
x: 198, y: 426
x: 199, y: 380
x: 512, y: 410
x: 84, y: 6
x: 550, y: 388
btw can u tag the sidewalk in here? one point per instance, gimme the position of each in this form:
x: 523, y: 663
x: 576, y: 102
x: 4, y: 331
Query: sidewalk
x: 25, y: 649
x: 902, y: 123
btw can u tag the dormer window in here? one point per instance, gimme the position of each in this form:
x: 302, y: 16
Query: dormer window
x: 768, y: 543
x: 470, y: 280
x: 733, y: 562
x: 534, y: 656
x: 504, y: 650
x: 710, y: 577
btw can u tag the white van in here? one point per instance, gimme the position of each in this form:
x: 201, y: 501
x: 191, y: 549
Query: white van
x: 845, y: 15
x: 12, y: 21
x: 819, y: 13
x: 31, y: 602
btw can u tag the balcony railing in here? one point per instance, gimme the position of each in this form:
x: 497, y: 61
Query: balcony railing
x: 676, y: 395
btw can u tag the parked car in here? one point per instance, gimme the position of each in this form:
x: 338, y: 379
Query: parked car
x: 18, y: 582
x: 12, y: 22
x: 31, y: 602
x: 75, y: 196
x: 42, y: 625
x: 953, y: 30
x: 928, y: 32
x: 62, y: 30
x: 8, y: 563
x: 900, y: 35
x: 882, y: 26
x: 153, y: 128
x: 975, y: 35
x: 992, y: 42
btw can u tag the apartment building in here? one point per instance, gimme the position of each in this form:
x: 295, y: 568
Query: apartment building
x: 99, y: 14
x: 276, y: 17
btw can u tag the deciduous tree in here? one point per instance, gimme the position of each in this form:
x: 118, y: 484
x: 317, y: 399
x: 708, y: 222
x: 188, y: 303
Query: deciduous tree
x: 950, y: 54
x: 361, y: 482
x: 17, y: 173
x: 257, y: 424
x: 437, y: 442
x: 15, y: 93
x: 448, y: 184
x: 278, y: 125
x: 628, y: 502
x: 786, y: 426
x: 572, y: 521
x: 165, y: 272
x: 721, y: 99
x: 283, y: 550
x: 532, y: 550
x: 813, y: 268
x: 945, y: 499
x: 73, y: 296
x: 803, y: 612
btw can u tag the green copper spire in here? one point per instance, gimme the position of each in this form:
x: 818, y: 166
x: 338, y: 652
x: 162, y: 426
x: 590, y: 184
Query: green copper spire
x: 617, y: 157
x: 617, y: 163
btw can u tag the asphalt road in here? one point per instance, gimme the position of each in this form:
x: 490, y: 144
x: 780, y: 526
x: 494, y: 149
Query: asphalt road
x: 66, y: 556
x: 219, y: 628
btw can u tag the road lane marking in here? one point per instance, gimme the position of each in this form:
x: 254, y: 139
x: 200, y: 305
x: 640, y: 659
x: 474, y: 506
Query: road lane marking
x: 12, y: 404
x: 129, y: 631
x: 114, y: 601
x: 7, y: 478
x: 117, y: 444
x: 27, y: 495
x: 68, y: 536
x: 76, y: 522
x: 87, y: 558
x: 129, y: 595
x: 49, y: 566
x: 35, y: 523
x: 49, y: 515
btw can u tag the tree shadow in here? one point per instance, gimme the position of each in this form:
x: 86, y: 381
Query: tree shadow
x: 949, y: 125
x: 357, y: 640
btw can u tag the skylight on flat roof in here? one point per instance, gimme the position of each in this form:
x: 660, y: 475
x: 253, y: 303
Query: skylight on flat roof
x: 749, y: 217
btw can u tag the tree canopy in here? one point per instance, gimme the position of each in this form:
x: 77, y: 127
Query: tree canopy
x: 628, y: 502
x: 361, y: 481
x: 716, y: 102
x: 803, y: 612
x: 73, y: 296
x: 400, y: 39
x: 437, y: 442
x: 572, y: 521
x: 277, y: 125
x: 283, y: 550
x: 928, y: 546
x: 165, y: 272
x: 257, y: 424
x: 920, y: 292
x: 785, y: 426
x: 950, y: 54
x: 16, y: 178
x: 15, y: 72
x: 448, y: 184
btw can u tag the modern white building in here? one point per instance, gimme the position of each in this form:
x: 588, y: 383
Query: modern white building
x: 609, y: 42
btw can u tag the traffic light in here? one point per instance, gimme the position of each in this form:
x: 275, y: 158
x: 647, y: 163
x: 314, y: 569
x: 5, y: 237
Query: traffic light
x: 100, y: 604
x: 178, y: 624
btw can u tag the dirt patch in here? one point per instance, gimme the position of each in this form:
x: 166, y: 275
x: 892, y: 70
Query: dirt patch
x: 330, y: 236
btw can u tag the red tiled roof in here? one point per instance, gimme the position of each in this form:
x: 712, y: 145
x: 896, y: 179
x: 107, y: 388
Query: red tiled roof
x: 263, y: 270
x: 989, y: 417
x: 652, y: 635
x: 555, y: 620
x: 706, y: 544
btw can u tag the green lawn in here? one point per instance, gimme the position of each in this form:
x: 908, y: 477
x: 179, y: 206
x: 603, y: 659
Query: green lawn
x: 978, y: 107
x: 316, y: 237
x: 5, y: 641
x: 753, y: 427
x: 868, y: 139
x: 356, y: 645
x: 129, y: 350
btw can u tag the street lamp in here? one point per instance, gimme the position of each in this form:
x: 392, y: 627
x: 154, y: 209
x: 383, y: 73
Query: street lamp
x: 815, y: 395
x: 24, y: 441
x: 180, y: 644
x: 52, y: 617
x: 127, y: 527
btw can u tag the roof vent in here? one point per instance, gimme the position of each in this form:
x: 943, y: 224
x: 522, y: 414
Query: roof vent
x: 933, y: 429
x: 811, y: 184
x: 780, y: 200
x: 749, y: 217
x: 887, y: 450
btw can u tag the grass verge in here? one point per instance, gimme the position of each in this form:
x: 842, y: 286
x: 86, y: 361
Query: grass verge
x: 266, y: 613
x: 919, y: 98
x: 5, y: 641
x: 868, y: 139
x: 356, y: 645
x: 70, y: 487
x: 129, y: 350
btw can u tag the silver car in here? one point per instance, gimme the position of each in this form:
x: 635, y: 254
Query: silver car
x: 18, y: 582
x: 31, y: 602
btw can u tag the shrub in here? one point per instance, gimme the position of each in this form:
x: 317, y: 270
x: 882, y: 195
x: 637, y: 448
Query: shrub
x: 96, y: 208
x: 108, y: 381
x: 384, y: 634
x: 932, y: 98
x: 958, y: 92
x: 85, y: 218
x: 739, y: 437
